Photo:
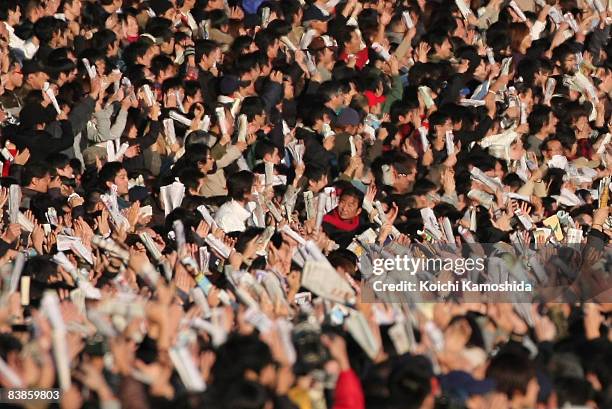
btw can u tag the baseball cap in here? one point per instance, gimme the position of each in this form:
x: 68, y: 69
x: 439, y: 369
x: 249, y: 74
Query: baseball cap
x: 348, y: 117
x: 319, y: 43
x: 315, y: 13
x: 31, y: 67
x: 461, y: 385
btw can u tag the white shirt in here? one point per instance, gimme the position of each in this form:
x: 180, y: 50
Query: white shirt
x: 28, y: 47
x: 232, y: 216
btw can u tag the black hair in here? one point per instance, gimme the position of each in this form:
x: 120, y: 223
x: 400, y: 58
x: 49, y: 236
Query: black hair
x: 538, y: 118
x: 252, y: 106
x: 239, y: 184
x: 512, y: 370
x: 33, y: 170
x: 108, y: 173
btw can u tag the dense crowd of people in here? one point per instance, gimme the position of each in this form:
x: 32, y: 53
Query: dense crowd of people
x: 195, y: 194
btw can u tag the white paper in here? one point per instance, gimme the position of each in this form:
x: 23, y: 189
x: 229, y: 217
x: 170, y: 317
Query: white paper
x: 322, y: 279
x: 172, y: 196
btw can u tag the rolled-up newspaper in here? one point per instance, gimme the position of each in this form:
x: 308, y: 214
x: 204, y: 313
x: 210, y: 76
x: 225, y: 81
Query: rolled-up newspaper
x: 243, y: 125
x: 110, y: 246
x: 463, y: 8
x: 185, y: 366
x: 150, y: 98
x: 50, y: 306
x: 49, y: 91
x: 220, y: 112
x: 169, y: 131
x: 91, y: 70
x: 518, y: 11
x: 407, y: 20
x: 450, y: 143
x: 382, y: 51
x: 288, y: 43
x: 180, y: 118
x: 321, y: 200
x: 14, y: 203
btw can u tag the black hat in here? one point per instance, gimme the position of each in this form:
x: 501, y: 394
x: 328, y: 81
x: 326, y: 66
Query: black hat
x: 315, y: 13
x: 31, y: 67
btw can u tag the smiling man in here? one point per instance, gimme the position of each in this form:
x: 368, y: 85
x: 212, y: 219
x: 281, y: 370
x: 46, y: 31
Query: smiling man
x: 347, y: 220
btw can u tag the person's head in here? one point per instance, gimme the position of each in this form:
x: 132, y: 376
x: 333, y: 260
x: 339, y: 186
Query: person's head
x: 349, y: 40
x: 34, y: 9
x: 193, y: 180
x: 207, y: 53
x: 61, y: 164
x: 410, y: 383
x: 33, y: 74
x: 332, y: 94
x: 10, y: 12
x: 425, y: 193
x: 14, y: 76
x: 322, y: 52
x: 254, y: 109
x: 113, y: 173
x: 551, y: 147
x: 404, y: 172
x: 349, y: 203
x: 244, y: 357
x: 72, y: 9
x: 268, y: 152
x: 574, y: 391
x: 240, y: 186
x: 268, y: 43
x: 541, y: 120
x: 515, y: 376
x: 439, y: 123
x: 520, y: 40
x: 316, y: 177
x: 566, y: 59
x: 402, y: 112
x: 36, y: 176
x: 163, y: 68
x: 440, y: 44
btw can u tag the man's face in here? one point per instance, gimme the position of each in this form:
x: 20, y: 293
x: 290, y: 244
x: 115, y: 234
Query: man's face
x: 327, y: 56
x: 348, y: 207
x: 16, y: 75
x: 444, y: 50
x: 355, y: 42
x: 481, y: 71
x: 121, y: 180
x: 569, y: 64
x: 553, y: 148
x: 41, y: 184
x: 551, y: 125
x: 146, y: 59
x: 15, y: 15
x: 209, y: 166
x: 37, y: 80
x: 66, y: 171
x: 74, y: 8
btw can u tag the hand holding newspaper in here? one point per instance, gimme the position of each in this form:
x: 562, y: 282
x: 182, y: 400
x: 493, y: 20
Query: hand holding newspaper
x: 49, y: 91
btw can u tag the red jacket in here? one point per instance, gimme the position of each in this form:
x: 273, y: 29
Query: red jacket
x: 349, y: 394
x: 362, y: 58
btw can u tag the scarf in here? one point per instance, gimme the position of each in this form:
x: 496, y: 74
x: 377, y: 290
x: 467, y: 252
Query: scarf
x: 334, y: 219
x: 374, y: 99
